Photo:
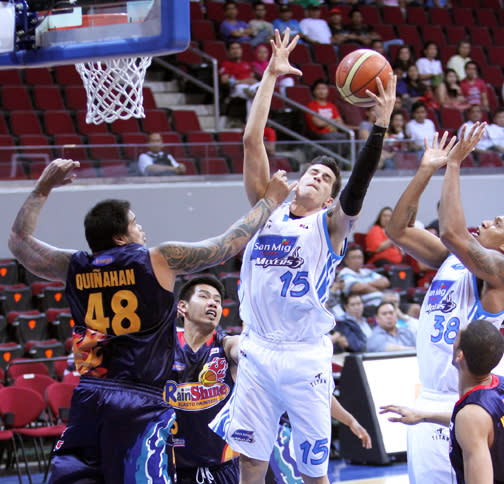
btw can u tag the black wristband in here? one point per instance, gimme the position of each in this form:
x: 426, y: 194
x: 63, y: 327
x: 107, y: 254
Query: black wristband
x: 353, y: 194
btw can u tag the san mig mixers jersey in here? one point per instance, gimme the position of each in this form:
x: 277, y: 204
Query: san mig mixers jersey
x: 287, y: 270
x: 124, y: 320
x: 490, y: 398
x: 450, y: 304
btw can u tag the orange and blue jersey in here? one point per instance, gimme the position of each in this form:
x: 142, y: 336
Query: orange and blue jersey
x: 200, y: 385
x: 124, y: 319
x: 491, y: 399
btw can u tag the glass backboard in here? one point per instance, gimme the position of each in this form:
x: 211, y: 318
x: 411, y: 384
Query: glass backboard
x: 68, y: 32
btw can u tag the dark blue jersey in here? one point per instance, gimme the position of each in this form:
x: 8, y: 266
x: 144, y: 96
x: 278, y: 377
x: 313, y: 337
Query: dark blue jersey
x: 124, y: 320
x: 200, y: 385
x: 491, y: 398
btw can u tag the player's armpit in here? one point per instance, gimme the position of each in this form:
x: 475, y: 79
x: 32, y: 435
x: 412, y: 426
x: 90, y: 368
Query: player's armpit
x: 339, y: 226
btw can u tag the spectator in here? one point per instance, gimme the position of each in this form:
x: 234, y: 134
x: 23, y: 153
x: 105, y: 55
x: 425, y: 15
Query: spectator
x: 429, y: 66
x: 473, y: 88
x: 315, y: 29
x: 496, y: 130
x: 404, y: 320
x: 404, y: 59
x: 458, y: 61
x: 380, y: 249
x: 474, y: 114
x: 262, y: 55
x: 386, y: 336
x: 338, y: 30
x: 238, y: 75
x: 320, y: 129
x: 394, y: 140
x: 366, y: 125
x: 357, y: 31
x: 262, y: 29
x: 449, y: 94
x: 360, y: 280
x: 419, y: 128
x: 352, y: 328
x: 285, y: 20
x: 410, y: 88
x: 378, y: 46
x: 232, y: 29
x: 156, y: 162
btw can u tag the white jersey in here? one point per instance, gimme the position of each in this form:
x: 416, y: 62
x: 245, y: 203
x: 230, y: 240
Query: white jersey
x: 450, y: 304
x: 287, y: 270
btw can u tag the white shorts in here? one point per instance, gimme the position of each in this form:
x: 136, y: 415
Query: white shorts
x: 274, y: 378
x: 429, y: 444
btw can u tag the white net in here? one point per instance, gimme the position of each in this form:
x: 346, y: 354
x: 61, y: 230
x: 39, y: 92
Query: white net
x: 114, y: 88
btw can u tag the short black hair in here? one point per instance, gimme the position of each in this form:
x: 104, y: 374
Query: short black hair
x: 188, y: 288
x: 345, y: 298
x: 383, y: 303
x: 330, y: 162
x: 106, y: 220
x: 317, y: 82
x: 483, y: 346
x: 416, y: 105
x: 352, y: 248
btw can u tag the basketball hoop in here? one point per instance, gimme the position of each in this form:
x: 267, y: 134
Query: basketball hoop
x: 114, y: 88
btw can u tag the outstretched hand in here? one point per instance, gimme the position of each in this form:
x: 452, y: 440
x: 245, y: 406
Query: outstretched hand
x: 279, y: 188
x: 56, y: 174
x: 385, y: 100
x: 408, y: 416
x: 358, y: 430
x: 436, y: 156
x: 466, y: 144
x: 281, y: 48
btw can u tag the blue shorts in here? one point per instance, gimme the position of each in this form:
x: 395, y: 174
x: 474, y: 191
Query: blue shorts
x: 117, y: 433
x: 225, y: 473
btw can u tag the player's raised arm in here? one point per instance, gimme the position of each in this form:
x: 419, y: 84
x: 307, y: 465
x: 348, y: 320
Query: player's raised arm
x: 181, y: 257
x: 342, y: 216
x: 419, y: 243
x: 483, y: 255
x: 37, y: 256
x: 256, y: 172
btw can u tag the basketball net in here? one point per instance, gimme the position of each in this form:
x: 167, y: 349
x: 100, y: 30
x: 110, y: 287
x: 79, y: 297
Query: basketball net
x: 114, y: 88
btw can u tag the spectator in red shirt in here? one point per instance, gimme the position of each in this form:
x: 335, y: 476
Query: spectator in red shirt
x: 320, y: 129
x: 238, y: 75
x: 382, y: 249
x: 473, y: 88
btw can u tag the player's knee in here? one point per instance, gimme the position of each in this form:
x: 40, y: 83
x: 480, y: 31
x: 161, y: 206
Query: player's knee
x: 252, y: 471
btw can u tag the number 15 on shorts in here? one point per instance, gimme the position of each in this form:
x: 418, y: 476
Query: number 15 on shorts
x: 316, y: 454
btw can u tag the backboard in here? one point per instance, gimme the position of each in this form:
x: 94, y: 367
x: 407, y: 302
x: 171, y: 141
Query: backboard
x: 87, y: 30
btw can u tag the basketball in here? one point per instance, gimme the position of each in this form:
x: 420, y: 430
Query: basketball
x: 357, y: 72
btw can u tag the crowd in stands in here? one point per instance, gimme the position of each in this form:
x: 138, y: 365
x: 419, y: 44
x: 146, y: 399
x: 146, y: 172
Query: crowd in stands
x: 447, y: 66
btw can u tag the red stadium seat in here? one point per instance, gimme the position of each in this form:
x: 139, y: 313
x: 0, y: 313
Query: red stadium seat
x: 16, y: 98
x: 433, y: 33
x: 156, y: 121
x: 392, y: 15
x: 486, y: 17
x: 202, y: 144
x: 417, y: 15
x: 40, y: 76
x: 440, y: 16
x: 300, y: 94
x: 455, y: 33
x: 174, y: 145
x: 124, y: 126
x: 184, y: 121
x: 67, y: 75
x: 214, y: 166
x: 215, y: 48
x: 133, y: 152
x: 109, y: 149
x: 202, y: 30
x: 76, y: 98
x: 300, y: 55
x: 370, y: 14
x: 311, y: 73
x: 58, y: 122
x: 88, y: 129
x: 410, y: 35
x: 463, y: 16
x: 10, y: 77
x: 480, y: 36
x: 69, y: 147
x: 25, y: 122
x: 451, y: 118
x: 40, y: 145
x: 48, y: 97
x: 190, y: 165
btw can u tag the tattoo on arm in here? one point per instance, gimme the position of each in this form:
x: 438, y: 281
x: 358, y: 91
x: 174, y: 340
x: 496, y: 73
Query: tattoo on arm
x: 27, y: 217
x: 485, y: 262
x: 186, y: 257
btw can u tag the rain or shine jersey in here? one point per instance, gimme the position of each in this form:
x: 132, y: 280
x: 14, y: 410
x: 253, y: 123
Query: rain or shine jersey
x: 287, y: 270
x: 491, y: 398
x: 200, y: 385
x: 450, y: 304
x: 124, y: 320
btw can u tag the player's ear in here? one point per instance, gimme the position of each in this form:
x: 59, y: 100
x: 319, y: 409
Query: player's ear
x: 120, y: 239
x: 328, y: 202
x: 181, y: 308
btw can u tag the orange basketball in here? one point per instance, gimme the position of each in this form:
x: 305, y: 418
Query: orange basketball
x: 357, y: 72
